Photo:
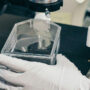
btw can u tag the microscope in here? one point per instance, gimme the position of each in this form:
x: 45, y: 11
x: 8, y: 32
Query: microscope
x: 28, y: 7
x: 35, y: 39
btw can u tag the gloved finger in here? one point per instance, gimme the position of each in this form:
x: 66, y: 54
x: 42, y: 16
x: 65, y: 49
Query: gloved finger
x: 84, y: 83
x: 13, y: 63
x: 8, y: 87
x: 3, y: 86
x: 62, y: 61
x: 18, y: 64
x: 2, y: 67
x: 11, y: 77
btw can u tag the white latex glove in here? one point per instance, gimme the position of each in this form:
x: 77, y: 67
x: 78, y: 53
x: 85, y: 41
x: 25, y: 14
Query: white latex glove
x: 8, y: 87
x: 39, y: 76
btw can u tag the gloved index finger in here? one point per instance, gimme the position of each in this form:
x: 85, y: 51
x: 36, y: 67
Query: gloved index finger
x: 13, y: 63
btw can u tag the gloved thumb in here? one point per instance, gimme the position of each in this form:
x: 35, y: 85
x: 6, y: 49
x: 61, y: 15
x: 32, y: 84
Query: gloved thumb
x: 84, y: 83
x: 60, y: 60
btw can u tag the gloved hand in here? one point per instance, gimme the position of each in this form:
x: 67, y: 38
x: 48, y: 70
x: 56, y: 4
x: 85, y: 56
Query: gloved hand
x: 8, y: 87
x: 39, y: 76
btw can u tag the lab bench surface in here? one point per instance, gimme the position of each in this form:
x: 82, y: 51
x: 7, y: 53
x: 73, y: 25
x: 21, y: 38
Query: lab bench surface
x: 72, y: 45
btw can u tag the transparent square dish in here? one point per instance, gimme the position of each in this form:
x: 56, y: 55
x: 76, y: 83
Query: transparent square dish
x: 34, y: 40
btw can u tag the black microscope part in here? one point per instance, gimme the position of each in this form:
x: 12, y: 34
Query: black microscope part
x: 27, y: 8
x: 42, y: 7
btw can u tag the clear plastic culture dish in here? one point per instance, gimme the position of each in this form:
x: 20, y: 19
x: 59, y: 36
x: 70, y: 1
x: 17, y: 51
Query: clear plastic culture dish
x: 34, y: 40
